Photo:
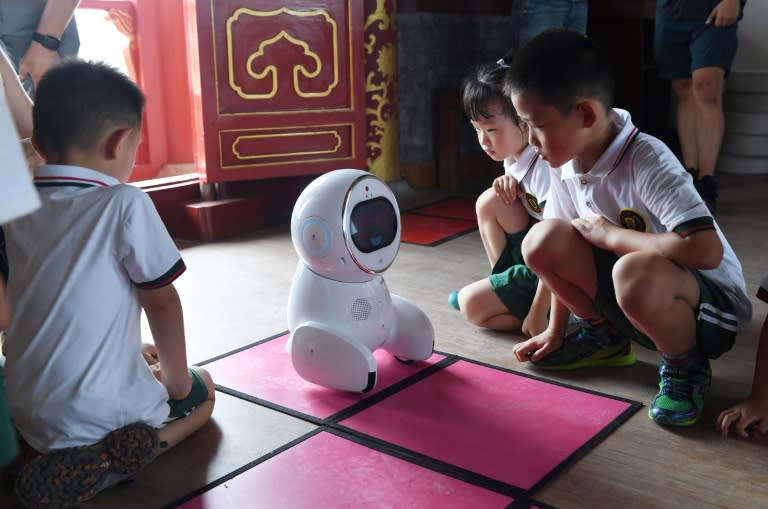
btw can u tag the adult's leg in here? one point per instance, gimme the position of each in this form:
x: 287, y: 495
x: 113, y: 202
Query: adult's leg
x: 577, y: 16
x: 686, y: 122
x: 710, y: 119
x: 659, y: 298
x: 537, y: 16
x: 495, y: 219
x: 672, y: 52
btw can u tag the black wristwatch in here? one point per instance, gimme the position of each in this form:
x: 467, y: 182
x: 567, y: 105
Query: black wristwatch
x: 47, y: 41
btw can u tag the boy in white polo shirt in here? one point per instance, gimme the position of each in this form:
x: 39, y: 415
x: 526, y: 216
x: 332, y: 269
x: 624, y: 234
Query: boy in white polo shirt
x: 82, y: 390
x: 630, y: 248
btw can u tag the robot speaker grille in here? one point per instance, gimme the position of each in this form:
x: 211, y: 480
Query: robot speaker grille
x: 361, y: 309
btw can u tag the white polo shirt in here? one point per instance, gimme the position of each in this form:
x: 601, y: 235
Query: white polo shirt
x: 74, y: 366
x: 638, y: 183
x: 533, y: 174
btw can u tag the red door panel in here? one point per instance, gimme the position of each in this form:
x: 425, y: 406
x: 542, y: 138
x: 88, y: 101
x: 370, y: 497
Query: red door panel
x: 281, y: 91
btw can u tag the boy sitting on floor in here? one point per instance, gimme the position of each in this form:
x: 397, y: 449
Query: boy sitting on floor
x: 631, y: 248
x: 82, y: 390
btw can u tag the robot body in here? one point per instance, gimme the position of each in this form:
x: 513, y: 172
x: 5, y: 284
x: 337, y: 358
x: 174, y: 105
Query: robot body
x: 346, y: 229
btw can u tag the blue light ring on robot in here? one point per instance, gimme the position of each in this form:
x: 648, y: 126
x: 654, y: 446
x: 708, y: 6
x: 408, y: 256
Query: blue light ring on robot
x: 326, y: 240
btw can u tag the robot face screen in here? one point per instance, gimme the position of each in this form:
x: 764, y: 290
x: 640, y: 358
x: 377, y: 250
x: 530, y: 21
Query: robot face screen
x: 374, y: 224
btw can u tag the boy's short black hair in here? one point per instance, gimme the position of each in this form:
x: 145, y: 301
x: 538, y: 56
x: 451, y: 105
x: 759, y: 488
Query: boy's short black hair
x: 483, y: 85
x: 561, y: 66
x: 77, y: 102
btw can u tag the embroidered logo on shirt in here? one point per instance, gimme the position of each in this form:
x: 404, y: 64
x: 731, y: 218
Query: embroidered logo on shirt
x: 632, y: 220
x: 533, y: 203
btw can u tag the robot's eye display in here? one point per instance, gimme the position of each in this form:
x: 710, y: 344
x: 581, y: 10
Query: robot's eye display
x: 374, y: 224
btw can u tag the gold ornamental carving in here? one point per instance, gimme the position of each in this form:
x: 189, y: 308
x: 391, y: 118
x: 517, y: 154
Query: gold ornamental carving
x: 270, y: 72
x: 383, y: 130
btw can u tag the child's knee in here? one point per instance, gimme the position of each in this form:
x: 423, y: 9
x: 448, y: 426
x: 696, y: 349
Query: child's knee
x: 207, y: 380
x: 634, y: 276
x: 543, y: 241
x: 486, y: 203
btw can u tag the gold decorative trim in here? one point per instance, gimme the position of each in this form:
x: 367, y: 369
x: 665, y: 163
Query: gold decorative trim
x: 333, y: 134
x: 271, y: 70
x: 328, y: 127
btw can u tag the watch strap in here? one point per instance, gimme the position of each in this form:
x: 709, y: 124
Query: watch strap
x: 47, y: 41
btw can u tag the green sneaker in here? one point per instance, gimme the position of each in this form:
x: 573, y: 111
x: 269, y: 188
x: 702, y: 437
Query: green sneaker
x: 683, y: 387
x: 589, y: 347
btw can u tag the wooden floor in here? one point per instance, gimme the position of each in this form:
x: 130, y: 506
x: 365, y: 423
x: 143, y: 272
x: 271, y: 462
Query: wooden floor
x: 235, y: 292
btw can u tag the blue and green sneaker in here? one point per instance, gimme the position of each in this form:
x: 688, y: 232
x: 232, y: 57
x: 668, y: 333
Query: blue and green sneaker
x: 683, y: 387
x: 590, y: 346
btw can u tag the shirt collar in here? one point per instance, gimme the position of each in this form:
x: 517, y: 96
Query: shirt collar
x: 613, y: 155
x: 520, y: 168
x: 61, y: 175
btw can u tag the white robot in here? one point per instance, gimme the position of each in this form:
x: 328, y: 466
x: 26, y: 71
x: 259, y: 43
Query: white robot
x: 346, y: 229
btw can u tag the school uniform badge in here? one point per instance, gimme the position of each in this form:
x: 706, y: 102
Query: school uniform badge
x: 632, y: 220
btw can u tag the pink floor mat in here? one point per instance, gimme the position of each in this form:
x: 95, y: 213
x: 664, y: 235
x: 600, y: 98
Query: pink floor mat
x: 263, y: 373
x: 447, y: 432
x: 496, y: 423
x: 328, y: 471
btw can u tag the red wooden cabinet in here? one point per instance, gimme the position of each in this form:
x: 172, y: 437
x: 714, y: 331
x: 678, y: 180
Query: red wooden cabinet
x: 278, y: 87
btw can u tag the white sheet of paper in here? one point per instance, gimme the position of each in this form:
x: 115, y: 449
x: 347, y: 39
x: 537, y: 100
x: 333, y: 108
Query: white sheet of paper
x: 17, y: 193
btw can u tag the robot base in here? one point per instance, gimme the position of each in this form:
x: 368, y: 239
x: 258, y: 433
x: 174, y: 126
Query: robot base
x: 413, y: 338
x: 325, y: 357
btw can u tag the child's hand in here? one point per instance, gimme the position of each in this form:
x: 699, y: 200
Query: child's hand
x: 595, y: 230
x: 537, y: 347
x: 149, y: 352
x: 748, y: 419
x: 506, y: 188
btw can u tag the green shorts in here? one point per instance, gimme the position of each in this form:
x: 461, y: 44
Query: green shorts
x: 716, y: 324
x: 8, y: 446
x: 198, y: 394
x: 511, y: 279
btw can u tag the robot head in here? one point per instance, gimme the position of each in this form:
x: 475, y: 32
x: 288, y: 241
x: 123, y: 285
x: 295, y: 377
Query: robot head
x: 346, y: 226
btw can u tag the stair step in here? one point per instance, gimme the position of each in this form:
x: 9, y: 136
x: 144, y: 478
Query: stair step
x: 747, y: 81
x: 746, y: 102
x: 755, y: 124
x: 730, y: 163
x: 745, y: 145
